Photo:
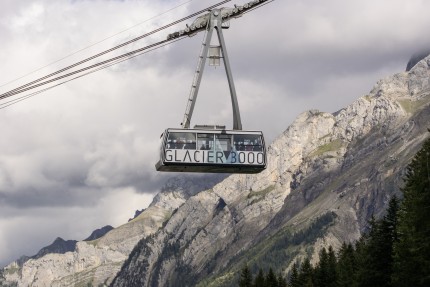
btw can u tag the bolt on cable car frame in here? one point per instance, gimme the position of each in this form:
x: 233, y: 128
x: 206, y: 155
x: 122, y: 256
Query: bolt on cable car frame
x: 215, y: 22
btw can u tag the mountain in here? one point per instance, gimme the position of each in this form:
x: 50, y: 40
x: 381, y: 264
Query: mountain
x: 97, y: 261
x: 416, y: 58
x: 96, y: 234
x: 59, y: 246
x: 327, y: 174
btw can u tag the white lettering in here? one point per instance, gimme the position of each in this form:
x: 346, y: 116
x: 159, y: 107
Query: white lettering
x: 251, y: 161
x: 211, y: 156
x: 260, y: 158
x: 169, y: 156
x: 242, y: 157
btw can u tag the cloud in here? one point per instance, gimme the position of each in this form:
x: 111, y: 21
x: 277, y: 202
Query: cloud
x: 43, y: 224
x: 77, y: 150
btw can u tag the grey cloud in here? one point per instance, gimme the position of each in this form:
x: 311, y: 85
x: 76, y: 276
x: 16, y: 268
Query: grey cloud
x: 67, y: 152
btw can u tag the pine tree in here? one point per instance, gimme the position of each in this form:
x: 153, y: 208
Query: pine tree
x: 260, y: 281
x: 281, y: 281
x: 387, y: 236
x: 346, y: 266
x: 271, y: 280
x: 375, y: 256
x: 412, y: 251
x: 306, y: 274
x: 331, y: 268
x: 294, y: 277
x: 322, y: 270
x: 362, y: 258
x: 245, y: 277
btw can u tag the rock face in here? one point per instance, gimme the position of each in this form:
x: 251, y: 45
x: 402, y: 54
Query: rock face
x: 97, y: 261
x: 326, y: 175
x: 59, y: 246
x: 96, y: 234
x: 416, y: 58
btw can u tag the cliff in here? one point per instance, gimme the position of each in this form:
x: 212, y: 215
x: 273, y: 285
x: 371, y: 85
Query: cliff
x: 326, y: 175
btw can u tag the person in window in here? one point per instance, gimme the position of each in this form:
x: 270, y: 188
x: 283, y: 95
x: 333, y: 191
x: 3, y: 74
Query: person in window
x: 257, y: 145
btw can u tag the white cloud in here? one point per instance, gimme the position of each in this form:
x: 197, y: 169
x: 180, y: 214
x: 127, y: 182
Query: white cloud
x: 25, y: 231
x: 87, y: 149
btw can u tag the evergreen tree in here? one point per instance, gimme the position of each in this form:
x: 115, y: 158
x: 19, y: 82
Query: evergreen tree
x: 386, y: 237
x: 271, y: 280
x: 373, y: 255
x: 306, y: 274
x: 260, y: 281
x: 331, y: 268
x: 322, y: 270
x: 281, y: 281
x: 245, y: 277
x: 412, y: 251
x: 361, y: 259
x: 346, y: 266
x: 294, y: 277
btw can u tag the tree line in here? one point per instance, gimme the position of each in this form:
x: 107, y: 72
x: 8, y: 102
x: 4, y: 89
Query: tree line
x: 394, y: 253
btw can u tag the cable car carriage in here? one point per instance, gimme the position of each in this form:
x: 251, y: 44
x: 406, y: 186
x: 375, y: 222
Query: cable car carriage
x: 212, y: 150
x: 207, y: 148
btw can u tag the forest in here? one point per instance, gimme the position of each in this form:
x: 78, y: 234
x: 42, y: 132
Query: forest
x: 394, y: 252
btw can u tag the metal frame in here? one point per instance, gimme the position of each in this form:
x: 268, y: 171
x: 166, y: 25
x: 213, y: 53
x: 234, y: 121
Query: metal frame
x: 163, y: 165
x: 215, y: 22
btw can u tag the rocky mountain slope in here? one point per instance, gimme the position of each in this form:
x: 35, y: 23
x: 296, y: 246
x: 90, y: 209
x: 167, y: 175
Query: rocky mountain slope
x: 326, y: 175
x: 97, y: 261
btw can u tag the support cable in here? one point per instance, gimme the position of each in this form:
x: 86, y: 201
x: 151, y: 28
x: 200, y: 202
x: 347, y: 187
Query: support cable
x: 126, y: 55
x: 96, y: 43
x: 17, y: 90
x: 22, y: 98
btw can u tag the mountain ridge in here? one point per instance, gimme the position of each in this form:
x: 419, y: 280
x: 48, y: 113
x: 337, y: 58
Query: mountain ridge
x: 326, y: 174
x: 348, y: 163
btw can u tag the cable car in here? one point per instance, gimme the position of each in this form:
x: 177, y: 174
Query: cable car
x: 212, y: 148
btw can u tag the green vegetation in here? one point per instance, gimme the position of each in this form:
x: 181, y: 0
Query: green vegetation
x: 93, y: 242
x: 261, y: 280
x: 394, y: 253
x: 412, y: 106
x: 276, y: 252
x: 12, y: 270
x: 331, y: 146
x: 368, y: 98
x: 259, y: 195
x: 412, y: 249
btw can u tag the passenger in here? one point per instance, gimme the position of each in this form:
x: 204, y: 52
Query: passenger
x: 257, y: 147
x: 180, y: 144
x: 190, y: 145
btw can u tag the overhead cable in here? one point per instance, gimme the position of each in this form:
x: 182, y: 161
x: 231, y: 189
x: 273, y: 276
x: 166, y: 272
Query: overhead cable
x: 22, y: 98
x: 27, y: 88
x: 17, y: 90
x: 96, y: 43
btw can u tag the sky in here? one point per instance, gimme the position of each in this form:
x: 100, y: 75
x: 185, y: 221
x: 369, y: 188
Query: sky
x: 82, y: 155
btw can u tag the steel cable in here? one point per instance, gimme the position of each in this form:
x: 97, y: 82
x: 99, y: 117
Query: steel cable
x: 96, y: 43
x: 15, y: 101
x: 21, y: 88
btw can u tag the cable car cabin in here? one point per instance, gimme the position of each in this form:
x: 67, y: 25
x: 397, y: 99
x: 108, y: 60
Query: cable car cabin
x: 212, y: 150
